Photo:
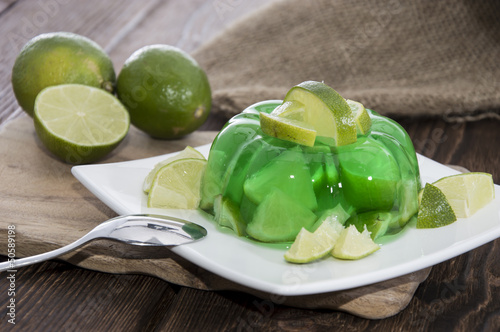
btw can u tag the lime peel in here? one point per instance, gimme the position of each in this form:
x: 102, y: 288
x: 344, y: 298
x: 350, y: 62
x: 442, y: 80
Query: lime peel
x: 435, y: 210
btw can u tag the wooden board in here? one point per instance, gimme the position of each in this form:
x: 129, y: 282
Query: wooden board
x: 50, y: 209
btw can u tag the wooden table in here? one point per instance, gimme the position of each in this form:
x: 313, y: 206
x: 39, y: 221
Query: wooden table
x: 460, y: 294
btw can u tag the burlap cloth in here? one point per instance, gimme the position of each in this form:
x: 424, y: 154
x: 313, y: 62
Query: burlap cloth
x: 398, y: 57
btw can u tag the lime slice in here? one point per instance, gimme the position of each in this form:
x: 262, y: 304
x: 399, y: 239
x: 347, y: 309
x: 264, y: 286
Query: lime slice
x: 467, y: 192
x: 329, y: 230
x: 434, y: 211
x: 309, y: 247
x: 361, y: 116
x: 177, y: 185
x: 78, y: 123
x: 291, y: 110
x: 287, y: 129
x: 325, y: 110
x: 352, y: 244
x: 188, y: 152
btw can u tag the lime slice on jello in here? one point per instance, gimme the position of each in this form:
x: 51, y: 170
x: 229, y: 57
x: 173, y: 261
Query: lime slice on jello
x: 361, y: 116
x: 293, y: 109
x: 287, y: 129
x: 325, y: 110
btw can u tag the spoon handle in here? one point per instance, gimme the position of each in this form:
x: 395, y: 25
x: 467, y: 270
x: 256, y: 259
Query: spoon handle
x: 13, y: 264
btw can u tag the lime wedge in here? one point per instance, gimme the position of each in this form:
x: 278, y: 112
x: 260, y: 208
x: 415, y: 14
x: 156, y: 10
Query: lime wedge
x: 309, y: 247
x: 329, y: 230
x: 78, y: 123
x: 352, y: 244
x: 325, y: 110
x: 287, y: 129
x: 294, y: 110
x: 177, y: 185
x: 188, y: 152
x: 434, y: 210
x: 361, y: 116
x: 468, y: 192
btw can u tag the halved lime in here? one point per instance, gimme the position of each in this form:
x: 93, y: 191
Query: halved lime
x: 467, y: 192
x: 188, y: 152
x: 78, y: 123
x: 325, y: 110
x: 287, y: 129
x: 352, y: 244
x: 177, y: 185
x: 435, y: 210
x: 361, y: 116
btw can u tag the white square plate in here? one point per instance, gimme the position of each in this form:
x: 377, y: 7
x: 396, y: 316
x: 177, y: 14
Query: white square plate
x: 262, y: 267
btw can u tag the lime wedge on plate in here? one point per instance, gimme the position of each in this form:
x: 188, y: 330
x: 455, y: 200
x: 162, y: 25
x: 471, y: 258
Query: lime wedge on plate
x: 309, y: 247
x: 188, y: 152
x: 467, y: 192
x: 177, y: 185
x: 435, y: 210
x: 78, y: 123
x: 352, y: 244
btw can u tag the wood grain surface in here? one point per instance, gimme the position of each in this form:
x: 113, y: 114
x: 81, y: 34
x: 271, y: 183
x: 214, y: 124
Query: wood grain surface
x: 460, y: 294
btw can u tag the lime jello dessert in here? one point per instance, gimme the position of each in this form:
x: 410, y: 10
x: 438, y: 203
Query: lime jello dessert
x: 280, y: 166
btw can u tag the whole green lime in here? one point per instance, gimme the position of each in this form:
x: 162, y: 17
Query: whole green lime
x: 59, y: 58
x: 165, y: 91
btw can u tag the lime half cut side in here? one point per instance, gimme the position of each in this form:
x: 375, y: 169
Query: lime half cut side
x: 78, y: 123
x: 325, y: 110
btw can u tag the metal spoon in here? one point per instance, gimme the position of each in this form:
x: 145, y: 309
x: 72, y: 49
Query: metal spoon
x: 139, y: 230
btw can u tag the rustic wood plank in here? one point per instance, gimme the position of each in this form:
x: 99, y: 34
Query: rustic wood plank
x: 98, y: 301
x: 5, y: 4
